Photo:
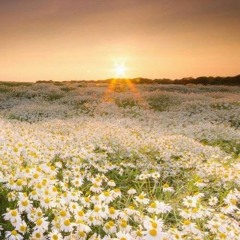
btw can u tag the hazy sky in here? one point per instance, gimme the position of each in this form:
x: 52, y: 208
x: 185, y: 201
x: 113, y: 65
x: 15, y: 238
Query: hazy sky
x: 81, y: 39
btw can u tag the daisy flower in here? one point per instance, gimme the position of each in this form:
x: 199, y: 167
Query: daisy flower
x: 13, y: 235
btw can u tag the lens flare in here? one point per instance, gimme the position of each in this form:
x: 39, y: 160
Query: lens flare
x: 120, y: 69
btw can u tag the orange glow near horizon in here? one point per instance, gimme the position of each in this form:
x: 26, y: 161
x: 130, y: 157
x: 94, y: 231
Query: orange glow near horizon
x: 122, y: 84
x: 78, y: 40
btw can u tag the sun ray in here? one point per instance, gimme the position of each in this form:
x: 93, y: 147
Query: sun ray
x: 107, y: 97
x: 120, y: 69
x: 136, y: 93
x: 120, y: 81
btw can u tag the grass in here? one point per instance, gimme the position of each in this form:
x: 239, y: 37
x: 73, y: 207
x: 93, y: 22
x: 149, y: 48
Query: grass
x: 53, y: 97
x: 126, y: 103
x: 4, y: 89
x: 67, y: 89
x: 231, y: 147
x: 160, y: 103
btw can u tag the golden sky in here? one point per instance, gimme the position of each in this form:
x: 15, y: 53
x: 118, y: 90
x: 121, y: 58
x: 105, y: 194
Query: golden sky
x: 81, y: 39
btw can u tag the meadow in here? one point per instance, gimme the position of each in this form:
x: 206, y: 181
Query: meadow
x: 119, y: 161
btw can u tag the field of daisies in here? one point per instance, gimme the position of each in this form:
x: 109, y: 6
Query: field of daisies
x: 119, y: 161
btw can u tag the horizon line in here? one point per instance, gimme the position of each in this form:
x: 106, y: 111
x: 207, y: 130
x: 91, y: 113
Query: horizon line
x: 123, y: 78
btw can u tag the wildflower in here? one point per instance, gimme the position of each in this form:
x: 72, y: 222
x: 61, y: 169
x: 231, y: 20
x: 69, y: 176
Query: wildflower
x: 41, y: 224
x: 55, y: 235
x: 167, y: 188
x: 86, y: 201
x: 106, y: 197
x: 131, y: 191
x: 66, y: 225
x: 12, y: 196
x: 21, y: 227
x: 12, y: 215
x: 100, y: 211
x: 111, y: 183
x: 190, y: 227
x: 96, y: 188
x: 38, y: 235
x: 190, y: 201
x: 116, y: 193
x: 124, y: 236
x: 142, y: 199
x: 142, y: 177
x: 155, y: 175
x: 113, y: 213
x: 212, y: 201
x: 155, y: 223
x: 159, y: 207
x: 80, y: 214
x: 24, y: 204
x: 123, y: 225
x: 109, y: 227
x: 13, y: 235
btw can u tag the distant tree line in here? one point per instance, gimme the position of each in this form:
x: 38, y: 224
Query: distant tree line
x: 231, y: 81
x: 203, y: 80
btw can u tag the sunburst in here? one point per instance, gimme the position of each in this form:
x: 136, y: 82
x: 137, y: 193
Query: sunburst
x: 120, y: 69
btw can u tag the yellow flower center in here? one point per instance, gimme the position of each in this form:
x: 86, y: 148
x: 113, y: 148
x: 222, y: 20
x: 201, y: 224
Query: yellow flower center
x: 154, y: 224
x: 63, y: 213
x: 14, y: 233
x: 96, y: 209
x: 44, y: 182
x: 141, y: 196
x: 67, y: 222
x: 153, y: 232
x: 123, y: 224
x: 80, y: 213
x: 153, y: 205
x: 195, y: 210
x: 106, y: 194
x: 25, y: 203
x: 38, y: 235
x: 111, y: 223
x: 35, y: 175
x: 81, y: 234
x: 186, y: 222
x: 22, y: 228
x: 39, y: 222
x: 34, y: 192
x: 108, y: 226
x: 233, y: 201
x: 19, y: 182
x: 55, y: 237
x: 14, y: 213
x: 111, y: 210
x: 39, y: 214
x: 223, y: 236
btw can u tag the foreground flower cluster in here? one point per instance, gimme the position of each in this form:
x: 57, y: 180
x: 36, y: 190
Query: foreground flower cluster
x: 82, y: 163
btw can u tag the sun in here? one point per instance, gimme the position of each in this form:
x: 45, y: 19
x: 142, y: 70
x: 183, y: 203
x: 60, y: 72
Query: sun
x: 120, y: 69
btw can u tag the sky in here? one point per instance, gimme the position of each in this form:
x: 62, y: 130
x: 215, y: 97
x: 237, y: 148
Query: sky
x: 83, y: 39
